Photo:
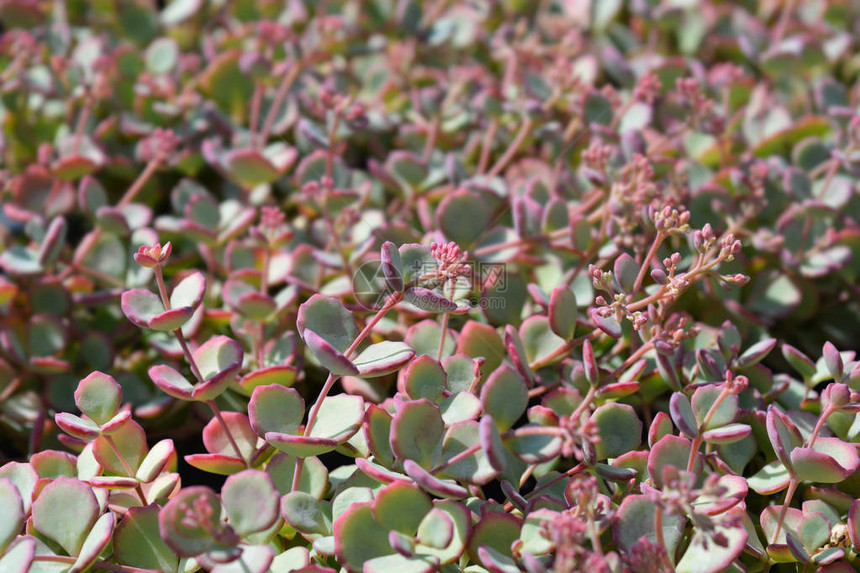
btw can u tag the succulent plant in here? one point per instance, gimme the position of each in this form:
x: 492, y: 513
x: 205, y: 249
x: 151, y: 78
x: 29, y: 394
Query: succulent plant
x: 429, y: 286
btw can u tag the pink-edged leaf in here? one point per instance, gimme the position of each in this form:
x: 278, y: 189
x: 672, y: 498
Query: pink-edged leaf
x: 769, y: 518
x: 735, y: 491
x: 358, y: 537
x: 770, y: 479
x: 617, y: 390
x: 428, y: 482
x: 65, y: 511
x: 495, y: 530
x: 613, y: 473
x: 661, y: 426
x: 251, y: 501
x: 756, y: 353
x: 436, y: 529
x: 833, y: 361
x: 11, y: 513
x: 796, y: 547
x: 130, y: 441
x: 380, y: 473
x: 333, y: 360
x: 300, y: 446
x: 417, y: 429
x: 784, y: 435
x: 383, y: 358
x: 113, y: 482
x: 429, y: 300
x: 491, y: 443
x: 140, y: 306
x: 219, y: 358
x: 220, y: 464
x: 52, y: 244
x: 249, y: 167
x: 401, y: 507
x: 283, y: 375
x: 626, y: 271
x: 274, y: 408
x: 504, y: 396
x: 799, y: 361
x: 392, y: 264
x: 171, y: 382
x: 670, y: 451
x: 830, y: 460
x: 247, y: 300
x: 216, y: 440
x: 562, y: 312
x: 189, y: 292
x: 116, y: 423
x: 727, y: 434
x: 705, y: 556
x: 683, y: 415
x: 854, y: 522
x: 589, y: 362
x: 517, y: 353
x: 329, y: 320
x: 156, y: 461
x: 98, y: 396
x: 77, y: 427
x: 171, y: 319
x: 190, y: 538
x: 635, y: 519
x: 19, y: 557
x: 496, y: 561
x: 608, y: 325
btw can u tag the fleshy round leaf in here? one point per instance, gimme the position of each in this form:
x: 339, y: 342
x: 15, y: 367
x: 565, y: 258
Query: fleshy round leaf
x: 329, y: 320
x: 635, y: 519
x: 783, y: 434
x: 496, y: 531
x: 620, y: 429
x: 725, y: 413
x: 11, y: 513
x: 669, y: 451
x: 98, y: 538
x: 172, y: 382
x: 562, y: 312
x: 830, y: 460
x: 504, y: 396
x: 185, y: 538
x: 383, y: 358
x: 392, y: 266
x: 538, y: 338
x: 425, y: 378
x: 65, y: 511
x: 429, y: 300
x: 475, y: 468
x: 156, y: 461
x: 19, y: 558
x: 626, y: 270
x: 137, y: 542
x: 274, y: 408
x: 338, y: 418
x: 463, y: 217
x: 189, y: 292
x: 251, y: 501
x: 305, y: 513
x: 430, y: 483
x: 401, y: 507
x: 333, y: 360
x: 417, y: 431
x: 705, y: 556
x: 359, y: 538
x: 99, y: 397
x: 436, y: 529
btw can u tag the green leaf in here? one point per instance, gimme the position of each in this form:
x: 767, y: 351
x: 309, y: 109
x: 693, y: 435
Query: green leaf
x: 305, y: 513
x: 504, y: 396
x: 619, y: 427
x: 329, y: 319
x: 562, y: 312
x: 401, y: 507
x: 251, y: 501
x: 417, y: 431
x: 383, y: 358
x: 65, y: 511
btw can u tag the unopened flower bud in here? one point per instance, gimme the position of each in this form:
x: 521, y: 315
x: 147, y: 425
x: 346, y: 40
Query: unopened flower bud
x: 151, y: 257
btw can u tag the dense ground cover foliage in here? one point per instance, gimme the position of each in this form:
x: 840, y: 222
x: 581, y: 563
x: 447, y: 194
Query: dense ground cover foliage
x: 378, y: 285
